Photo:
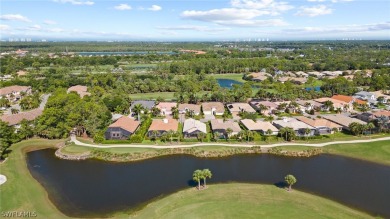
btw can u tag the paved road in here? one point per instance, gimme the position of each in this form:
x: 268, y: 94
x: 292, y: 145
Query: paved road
x: 73, y: 139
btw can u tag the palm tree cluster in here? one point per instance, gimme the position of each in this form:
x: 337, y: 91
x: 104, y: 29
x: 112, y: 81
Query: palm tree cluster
x: 200, y: 175
x: 287, y: 133
x: 359, y: 129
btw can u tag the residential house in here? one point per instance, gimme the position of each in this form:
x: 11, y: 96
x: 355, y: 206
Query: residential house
x: 220, y: 127
x: 337, y: 104
x: 257, y: 105
x: 213, y: 108
x: 161, y: 126
x: 348, y: 99
x: 185, y: 107
x: 259, y: 76
x: 366, y: 116
x: 166, y: 108
x: 122, y: 129
x: 322, y: 126
x: 259, y: 126
x: 307, y: 105
x: 368, y: 96
x: 192, y: 127
x: 298, y: 126
x: 146, y: 105
x: 386, y: 98
x: 240, y: 107
x: 14, y: 93
x: 15, y: 119
x: 80, y: 90
x: 342, y: 120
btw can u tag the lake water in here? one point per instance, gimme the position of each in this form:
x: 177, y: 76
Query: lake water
x: 96, y: 188
x: 227, y: 83
x: 124, y: 53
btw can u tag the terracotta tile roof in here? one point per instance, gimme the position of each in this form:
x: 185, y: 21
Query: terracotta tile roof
x: 166, y: 105
x: 14, y: 119
x: 185, y: 106
x: 347, y: 99
x: 12, y: 89
x: 126, y: 123
x: 343, y: 120
x: 336, y: 103
x: 164, y: 125
x: 318, y: 122
x: 258, y: 125
x: 208, y: 106
x: 382, y: 113
x: 220, y: 124
x: 238, y: 107
x: 81, y: 90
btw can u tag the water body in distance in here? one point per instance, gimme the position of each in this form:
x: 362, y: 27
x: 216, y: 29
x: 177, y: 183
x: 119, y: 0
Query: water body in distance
x: 96, y: 188
x: 227, y: 83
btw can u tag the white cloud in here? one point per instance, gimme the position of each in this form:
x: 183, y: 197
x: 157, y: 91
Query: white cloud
x: 14, y: 17
x: 362, y: 28
x: 261, y: 4
x: 223, y: 14
x: 123, y: 7
x: 316, y: 0
x: 49, y: 22
x: 337, y: 1
x: 255, y: 23
x: 4, y: 27
x: 194, y: 28
x: 76, y: 2
x: 314, y: 11
x: 155, y: 8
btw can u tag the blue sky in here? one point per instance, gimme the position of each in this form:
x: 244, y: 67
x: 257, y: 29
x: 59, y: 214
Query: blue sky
x: 195, y: 20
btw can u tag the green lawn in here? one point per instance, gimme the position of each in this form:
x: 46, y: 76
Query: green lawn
x: 236, y: 77
x: 378, y: 151
x: 22, y: 192
x: 149, y: 96
x: 238, y: 200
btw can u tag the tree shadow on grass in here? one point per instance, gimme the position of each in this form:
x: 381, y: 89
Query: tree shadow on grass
x: 281, y: 184
x: 192, y: 183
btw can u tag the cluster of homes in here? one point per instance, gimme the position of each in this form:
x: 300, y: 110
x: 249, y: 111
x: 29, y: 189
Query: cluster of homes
x: 301, y: 77
x: 124, y: 126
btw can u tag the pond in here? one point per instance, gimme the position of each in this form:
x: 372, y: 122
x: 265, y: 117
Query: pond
x: 227, y: 83
x: 95, y: 188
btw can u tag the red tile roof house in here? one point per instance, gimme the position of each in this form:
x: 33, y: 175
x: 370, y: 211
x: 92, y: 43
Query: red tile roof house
x: 236, y: 108
x: 162, y: 126
x: 15, y: 119
x: 349, y: 100
x: 166, y: 108
x: 259, y: 126
x: 80, y: 90
x: 13, y: 93
x: 122, y: 129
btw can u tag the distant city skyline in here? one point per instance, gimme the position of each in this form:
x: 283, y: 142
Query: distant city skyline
x: 181, y: 20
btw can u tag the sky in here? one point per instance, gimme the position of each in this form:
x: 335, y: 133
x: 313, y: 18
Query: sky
x: 183, y: 20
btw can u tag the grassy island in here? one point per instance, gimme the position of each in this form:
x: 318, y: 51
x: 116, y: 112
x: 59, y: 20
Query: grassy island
x: 238, y: 200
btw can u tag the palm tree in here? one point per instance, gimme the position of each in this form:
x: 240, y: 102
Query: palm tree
x: 370, y: 126
x: 14, y: 111
x: 290, y: 180
x: 170, y: 133
x: 201, y: 136
x: 335, y: 130
x: 154, y: 135
x: 156, y: 111
x: 364, y: 108
x: 288, y: 133
x: 197, y: 176
x: 328, y: 104
x: 229, y: 131
x: 137, y: 109
x: 175, y: 112
x: 307, y: 132
x: 262, y: 108
x: 206, y: 173
x: 268, y: 133
x: 249, y: 135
